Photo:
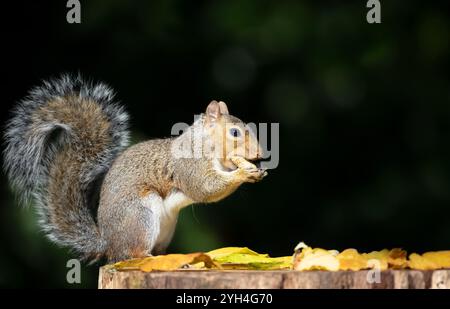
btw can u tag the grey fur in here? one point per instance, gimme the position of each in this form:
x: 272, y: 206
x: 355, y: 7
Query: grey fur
x: 30, y: 152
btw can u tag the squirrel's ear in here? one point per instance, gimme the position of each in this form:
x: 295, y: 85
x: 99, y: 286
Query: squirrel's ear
x: 213, y: 111
x: 223, y: 108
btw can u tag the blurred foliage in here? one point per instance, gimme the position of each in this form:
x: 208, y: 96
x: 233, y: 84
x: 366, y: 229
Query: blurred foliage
x: 363, y: 109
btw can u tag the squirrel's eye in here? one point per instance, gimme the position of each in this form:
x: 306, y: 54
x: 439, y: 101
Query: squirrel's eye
x: 235, y: 132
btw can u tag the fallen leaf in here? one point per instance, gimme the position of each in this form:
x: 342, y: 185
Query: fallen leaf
x: 167, y: 262
x: 307, y: 258
x: 441, y: 258
x: 430, y: 260
x: 132, y: 264
x: 219, y: 253
x: 418, y: 262
x: 377, y: 259
x: 350, y: 259
x: 176, y: 261
x: 397, y: 258
x: 244, y: 258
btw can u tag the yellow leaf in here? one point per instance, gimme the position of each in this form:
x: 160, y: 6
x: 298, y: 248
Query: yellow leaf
x: 430, y: 260
x: 307, y: 258
x: 417, y: 261
x: 176, y: 261
x: 244, y: 258
x: 166, y: 262
x: 397, y: 258
x: 199, y: 265
x: 132, y: 264
x: 219, y: 253
x: 245, y: 261
x: 350, y: 259
x: 377, y: 259
x: 384, y: 259
x: 441, y: 258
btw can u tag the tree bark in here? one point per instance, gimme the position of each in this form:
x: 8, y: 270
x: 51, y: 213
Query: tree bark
x: 238, y: 279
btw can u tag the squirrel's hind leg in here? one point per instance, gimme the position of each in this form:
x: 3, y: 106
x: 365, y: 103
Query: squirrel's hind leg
x: 135, y: 236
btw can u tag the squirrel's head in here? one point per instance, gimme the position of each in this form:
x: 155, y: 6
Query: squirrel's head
x: 229, y: 135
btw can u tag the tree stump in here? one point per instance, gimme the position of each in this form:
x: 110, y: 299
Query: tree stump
x: 286, y: 279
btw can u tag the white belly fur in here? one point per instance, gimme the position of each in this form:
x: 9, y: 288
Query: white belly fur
x: 172, y: 205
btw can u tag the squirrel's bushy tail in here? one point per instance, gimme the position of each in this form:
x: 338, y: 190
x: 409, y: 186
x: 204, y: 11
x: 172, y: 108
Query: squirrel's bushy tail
x: 60, y: 142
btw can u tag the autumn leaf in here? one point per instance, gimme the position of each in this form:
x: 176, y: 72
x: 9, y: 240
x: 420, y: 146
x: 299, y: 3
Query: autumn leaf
x: 397, y: 258
x: 132, y: 264
x: 244, y: 258
x: 167, y: 262
x: 384, y: 259
x: 430, y: 260
x: 307, y: 258
x: 177, y: 261
x: 222, y: 252
x: 224, y: 258
x: 377, y: 259
x: 350, y: 259
x: 441, y: 258
x: 243, y: 261
x: 304, y: 259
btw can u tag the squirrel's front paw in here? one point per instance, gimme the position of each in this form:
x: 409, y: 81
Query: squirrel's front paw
x: 248, y: 171
x: 255, y: 174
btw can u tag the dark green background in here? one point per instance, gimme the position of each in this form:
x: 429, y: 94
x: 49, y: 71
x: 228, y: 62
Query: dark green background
x: 364, y: 113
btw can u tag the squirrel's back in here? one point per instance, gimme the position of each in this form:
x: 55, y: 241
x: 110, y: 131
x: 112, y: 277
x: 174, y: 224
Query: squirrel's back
x: 61, y: 140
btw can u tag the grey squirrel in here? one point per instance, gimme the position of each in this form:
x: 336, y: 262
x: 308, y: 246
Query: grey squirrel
x: 66, y: 148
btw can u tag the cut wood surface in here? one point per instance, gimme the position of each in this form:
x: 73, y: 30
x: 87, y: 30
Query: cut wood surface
x: 286, y: 279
